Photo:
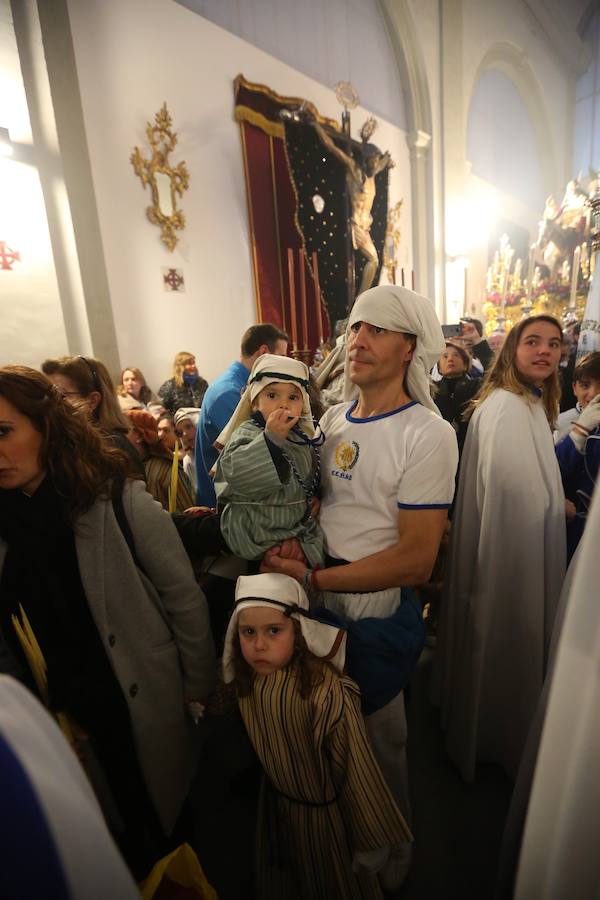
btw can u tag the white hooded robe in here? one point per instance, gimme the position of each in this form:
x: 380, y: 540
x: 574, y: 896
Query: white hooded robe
x: 506, y: 569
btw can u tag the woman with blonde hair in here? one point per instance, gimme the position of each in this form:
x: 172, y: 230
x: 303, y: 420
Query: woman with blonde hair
x: 84, y: 382
x: 507, y: 555
x: 134, y: 393
x: 158, y: 461
x: 186, y: 387
x: 109, y: 592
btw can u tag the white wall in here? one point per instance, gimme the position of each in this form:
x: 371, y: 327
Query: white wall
x: 131, y: 56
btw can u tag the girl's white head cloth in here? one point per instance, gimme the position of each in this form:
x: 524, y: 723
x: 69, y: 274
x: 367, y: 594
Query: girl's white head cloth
x: 268, y: 369
x: 283, y: 593
x: 398, y: 309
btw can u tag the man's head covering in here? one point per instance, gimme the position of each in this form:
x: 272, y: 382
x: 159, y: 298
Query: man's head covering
x: 269, y: 369
x: 187, y: 412
x: 399, y: 309
x: 287, y: 596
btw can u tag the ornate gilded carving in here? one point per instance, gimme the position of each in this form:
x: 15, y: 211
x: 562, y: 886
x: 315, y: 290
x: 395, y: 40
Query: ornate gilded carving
x: 167, y: 183
x: 392, y: 240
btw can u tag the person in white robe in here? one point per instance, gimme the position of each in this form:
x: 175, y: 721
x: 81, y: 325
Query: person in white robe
x: 507, y: 556
x: 55, y: 842
x: 559, y: 854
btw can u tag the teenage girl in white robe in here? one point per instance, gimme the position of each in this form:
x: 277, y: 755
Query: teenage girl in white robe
x: 507, y: 556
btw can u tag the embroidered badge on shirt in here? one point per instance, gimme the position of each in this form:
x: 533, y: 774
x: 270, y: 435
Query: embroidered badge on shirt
x: 346, y: 456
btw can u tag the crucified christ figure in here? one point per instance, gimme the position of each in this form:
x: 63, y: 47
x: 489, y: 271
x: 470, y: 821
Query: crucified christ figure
x: 361, y: 187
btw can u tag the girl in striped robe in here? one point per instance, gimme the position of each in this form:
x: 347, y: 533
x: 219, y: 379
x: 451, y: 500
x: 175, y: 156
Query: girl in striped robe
x: 268, y: 473
x: 327, y: 821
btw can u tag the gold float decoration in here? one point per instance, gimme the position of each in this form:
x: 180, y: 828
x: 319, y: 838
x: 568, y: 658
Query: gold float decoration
x: 392, y: 240
x: 167, y: 182
x: 560, y: 265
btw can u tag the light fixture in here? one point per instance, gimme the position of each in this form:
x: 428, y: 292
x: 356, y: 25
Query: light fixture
x: 6, y: 147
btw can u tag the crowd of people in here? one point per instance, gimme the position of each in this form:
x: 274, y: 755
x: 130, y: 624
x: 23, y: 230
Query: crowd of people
x: 126, y: 517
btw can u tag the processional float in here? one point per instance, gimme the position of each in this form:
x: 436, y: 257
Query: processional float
x: 562, y: 276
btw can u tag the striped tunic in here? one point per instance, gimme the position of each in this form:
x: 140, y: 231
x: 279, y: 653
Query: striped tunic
x: 261, y: 510
x: 323, y: 798
x: 158, y: 480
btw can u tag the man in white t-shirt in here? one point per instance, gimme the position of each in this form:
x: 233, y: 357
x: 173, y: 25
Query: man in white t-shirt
x: 388, y: 468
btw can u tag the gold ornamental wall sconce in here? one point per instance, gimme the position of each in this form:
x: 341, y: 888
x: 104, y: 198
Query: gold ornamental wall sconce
x: 167, y: 182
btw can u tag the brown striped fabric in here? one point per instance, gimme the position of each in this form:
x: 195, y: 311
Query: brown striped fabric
x: 324, y: 798
x: 158, y: 480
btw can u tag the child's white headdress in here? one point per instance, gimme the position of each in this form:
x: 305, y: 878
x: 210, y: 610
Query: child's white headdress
x: 287, y: 596
x: 268, y: 369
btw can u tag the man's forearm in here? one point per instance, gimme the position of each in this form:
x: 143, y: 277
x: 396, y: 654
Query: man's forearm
x: 396, y: 566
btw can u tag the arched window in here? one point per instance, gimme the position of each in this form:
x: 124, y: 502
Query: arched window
x: 501, y: 141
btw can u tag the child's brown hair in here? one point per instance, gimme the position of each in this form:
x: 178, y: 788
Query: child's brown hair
x: 588, y: 367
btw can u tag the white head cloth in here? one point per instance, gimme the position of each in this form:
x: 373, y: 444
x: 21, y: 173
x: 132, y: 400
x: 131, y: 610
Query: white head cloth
x: 333, y: 361
x: 269, y: 369
x: 398, y: 309
x: 282, y: 592
x: 187, y: 412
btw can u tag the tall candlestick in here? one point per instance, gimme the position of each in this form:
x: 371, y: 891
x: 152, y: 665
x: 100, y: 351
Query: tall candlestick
x: 530, y: 271
x: 575, y: 277
x: 292, y: 286
x: 303, y: 310
x: 402, y: 276
x: 315, y: 268
x: 412, y: 278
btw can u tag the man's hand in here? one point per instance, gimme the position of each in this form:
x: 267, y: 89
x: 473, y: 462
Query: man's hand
x: 291, y: 548
x: 280, y: 423
x: 570, y: 509
x: 587, y: 422
x: 470, y: 333
x: 282, y: 566
x: 198, y: 510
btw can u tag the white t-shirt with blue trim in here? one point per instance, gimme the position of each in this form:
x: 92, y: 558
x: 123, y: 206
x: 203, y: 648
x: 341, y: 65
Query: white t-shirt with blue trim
x: 371, y: 468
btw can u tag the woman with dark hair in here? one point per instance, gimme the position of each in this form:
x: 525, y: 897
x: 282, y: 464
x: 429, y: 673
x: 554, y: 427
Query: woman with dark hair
x: 85, y: 383
x: 186, y: 387
x: 134, y: 393
x: 506, y: 557
x: 158, y: 461
x: 104, y: 581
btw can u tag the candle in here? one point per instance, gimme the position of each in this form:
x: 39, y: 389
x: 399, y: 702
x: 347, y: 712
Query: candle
x: 402, y: 276
x: 583, y: 259
x: 315, y: 266
x: 530, y: 271
x: 517, y: 273
x: 304, y: 311
x: 575, y: 277
x: 292, y: 299
x: 412, y: 278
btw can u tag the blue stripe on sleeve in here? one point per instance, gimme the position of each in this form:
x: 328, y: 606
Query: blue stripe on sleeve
x: 424, y: 505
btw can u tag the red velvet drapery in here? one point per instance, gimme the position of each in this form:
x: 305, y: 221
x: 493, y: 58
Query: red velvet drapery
x: 271, y: 214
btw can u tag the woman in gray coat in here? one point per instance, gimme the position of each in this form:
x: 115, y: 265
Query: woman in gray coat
x: 100, y: 571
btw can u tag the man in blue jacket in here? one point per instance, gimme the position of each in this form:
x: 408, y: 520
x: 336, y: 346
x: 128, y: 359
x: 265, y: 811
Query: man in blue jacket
x: 223, y: 396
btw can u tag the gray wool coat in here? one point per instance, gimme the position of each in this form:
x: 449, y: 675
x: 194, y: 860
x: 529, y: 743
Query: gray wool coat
x: 156, y: 631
